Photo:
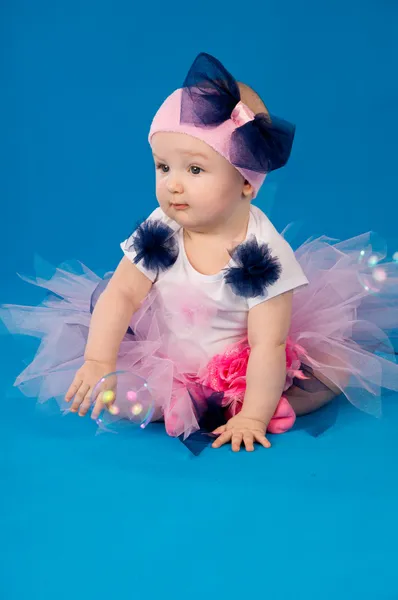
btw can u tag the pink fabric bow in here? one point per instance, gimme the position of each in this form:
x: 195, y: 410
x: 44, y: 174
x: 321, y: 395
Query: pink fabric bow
x: 242, y: 114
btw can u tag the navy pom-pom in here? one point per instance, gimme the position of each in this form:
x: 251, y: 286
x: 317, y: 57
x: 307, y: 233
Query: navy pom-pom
x: 155, y: 244
x: 256, y: 269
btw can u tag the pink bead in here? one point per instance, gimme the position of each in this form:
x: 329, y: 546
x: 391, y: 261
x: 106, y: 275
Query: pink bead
x: 132, y: 396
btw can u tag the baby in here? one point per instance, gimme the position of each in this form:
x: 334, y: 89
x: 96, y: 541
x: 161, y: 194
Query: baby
x: 209, y: 302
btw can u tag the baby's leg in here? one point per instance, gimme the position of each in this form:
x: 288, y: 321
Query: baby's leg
x: 308, y: 395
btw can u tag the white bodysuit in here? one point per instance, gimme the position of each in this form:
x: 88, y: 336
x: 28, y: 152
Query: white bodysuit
x: 204, y: 308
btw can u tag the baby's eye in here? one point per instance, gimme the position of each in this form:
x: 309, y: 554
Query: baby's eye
x: 195, y: 170
x: 162, y: 167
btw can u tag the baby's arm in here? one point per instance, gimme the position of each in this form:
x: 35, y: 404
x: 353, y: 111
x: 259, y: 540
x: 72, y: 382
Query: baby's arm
x: 112, y: 314
x: 268, y: 327
x: 111, y: 317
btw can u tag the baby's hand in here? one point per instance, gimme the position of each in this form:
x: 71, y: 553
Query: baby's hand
x: 82, y: 386
x: 241, y: 429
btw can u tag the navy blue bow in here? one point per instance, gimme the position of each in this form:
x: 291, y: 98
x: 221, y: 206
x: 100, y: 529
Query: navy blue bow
x: 255, y: 270
x: 210, y: 414
x: 155, y: 245
x: 209, y: 96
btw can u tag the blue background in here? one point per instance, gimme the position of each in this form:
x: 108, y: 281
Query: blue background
x: 135, y: 516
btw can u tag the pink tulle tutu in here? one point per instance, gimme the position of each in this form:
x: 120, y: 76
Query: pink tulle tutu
x: 341, y: 328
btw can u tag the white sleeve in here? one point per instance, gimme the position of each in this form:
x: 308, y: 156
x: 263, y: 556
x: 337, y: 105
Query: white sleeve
x: 130, y: 251
x: 292, y: 275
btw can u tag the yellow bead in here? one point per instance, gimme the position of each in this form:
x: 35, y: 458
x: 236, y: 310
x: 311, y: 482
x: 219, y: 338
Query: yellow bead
x: 136, y: 409
x: 108, y: 397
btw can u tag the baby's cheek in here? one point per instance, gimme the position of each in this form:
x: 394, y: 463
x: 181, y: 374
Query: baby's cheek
x: 223, y: 197
x: 159, y: 189
x: 161, y: 198
x: 212, y: 202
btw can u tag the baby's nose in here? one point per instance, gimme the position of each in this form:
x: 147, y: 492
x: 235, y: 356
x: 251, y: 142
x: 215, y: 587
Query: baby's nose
x: 174, y: 184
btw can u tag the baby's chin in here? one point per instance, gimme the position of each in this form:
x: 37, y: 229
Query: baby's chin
x: 179, y: 212
x: 173, y: 212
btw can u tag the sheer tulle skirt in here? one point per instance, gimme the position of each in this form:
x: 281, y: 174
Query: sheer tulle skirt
x: 343, y: 328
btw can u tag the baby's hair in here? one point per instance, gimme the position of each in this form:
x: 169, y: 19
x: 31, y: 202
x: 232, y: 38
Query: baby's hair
x: 249, y: 97
x: 252, y: 99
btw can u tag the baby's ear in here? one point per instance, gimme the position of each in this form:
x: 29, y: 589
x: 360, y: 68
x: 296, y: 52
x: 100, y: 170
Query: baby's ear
x: 248, y: 190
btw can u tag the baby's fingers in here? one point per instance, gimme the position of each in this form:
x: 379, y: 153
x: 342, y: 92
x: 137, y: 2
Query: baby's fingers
x: 224, y: 438
x: 79, y: 397
x: 76, y: 383
x: 248, y: 439
x: 85, y: 404
x: 236, y: 441
x: 261, y: 439
x: 98, y: 407
x: 220, y: 430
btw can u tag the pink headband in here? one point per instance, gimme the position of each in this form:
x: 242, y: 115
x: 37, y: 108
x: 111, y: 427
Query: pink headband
x: 167, y: 119
x: 209, y: 108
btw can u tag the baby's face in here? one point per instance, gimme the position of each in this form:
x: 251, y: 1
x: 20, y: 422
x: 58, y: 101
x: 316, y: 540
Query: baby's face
x: 195, y: 185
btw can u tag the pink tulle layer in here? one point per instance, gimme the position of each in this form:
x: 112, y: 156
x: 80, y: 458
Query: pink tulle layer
x: 342, y: 328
